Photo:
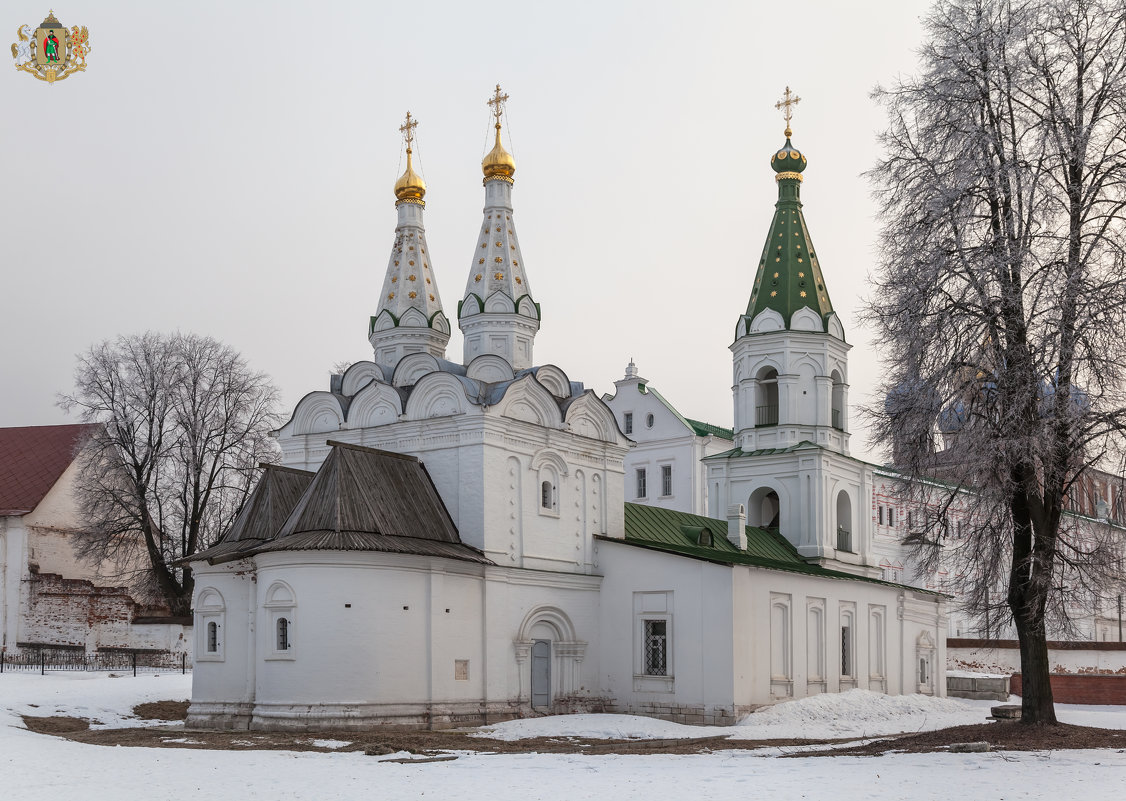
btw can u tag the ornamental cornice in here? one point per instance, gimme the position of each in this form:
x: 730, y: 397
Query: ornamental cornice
x: 792, y: 175
x: 413, y: 201
x: 506, y: 178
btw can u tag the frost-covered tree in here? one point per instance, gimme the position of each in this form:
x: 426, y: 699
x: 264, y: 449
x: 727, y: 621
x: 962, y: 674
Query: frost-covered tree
x: 1000, y: 300
x: 184, y: 424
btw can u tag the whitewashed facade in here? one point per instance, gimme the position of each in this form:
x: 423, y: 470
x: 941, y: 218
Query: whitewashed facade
x: 566, y: 598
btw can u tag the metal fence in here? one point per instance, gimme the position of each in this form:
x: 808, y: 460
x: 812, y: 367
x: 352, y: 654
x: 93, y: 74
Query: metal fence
x: 41, y: 661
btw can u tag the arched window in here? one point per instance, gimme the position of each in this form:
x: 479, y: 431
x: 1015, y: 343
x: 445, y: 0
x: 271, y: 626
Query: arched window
x: 212, y: 637
x: 283, y: 634
x: 210, y: 613
x: 547, y: 495
x: 280, y: 608
x: 766, y: 409
x: 844, y: 523
x: 838, y: 401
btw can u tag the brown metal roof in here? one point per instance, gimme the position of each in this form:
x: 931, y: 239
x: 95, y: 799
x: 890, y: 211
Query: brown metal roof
x: 371, y: 500
x: 278, y: 491
x: 32, y: 458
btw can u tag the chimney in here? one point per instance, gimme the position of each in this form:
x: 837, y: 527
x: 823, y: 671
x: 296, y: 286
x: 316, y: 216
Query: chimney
x: 737, y: 526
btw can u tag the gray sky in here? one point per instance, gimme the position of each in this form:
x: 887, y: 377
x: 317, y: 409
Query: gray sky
x: 226, y: 168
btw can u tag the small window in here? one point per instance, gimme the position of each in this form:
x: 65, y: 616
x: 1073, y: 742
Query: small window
x: 641, y: 493
x: 846, y: 650
x: 923, y: 677
x: 880, y: 515
x: 891, y: 516
x: 283, y: 634
x: 656, y: 648
x: 649, y: 421
x: 627, y: 422
x: 666, y: 480
x: 547, y: 495
x: 212, y: 637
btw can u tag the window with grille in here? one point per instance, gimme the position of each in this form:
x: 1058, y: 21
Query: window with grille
x: 846, y: 650
x: 656, y: 648
x: 641, y: 493
x: 547, y: 495
x: 283, y: 634
x: 666, y: 479
x: 212, y: 637
x: 628, y: 422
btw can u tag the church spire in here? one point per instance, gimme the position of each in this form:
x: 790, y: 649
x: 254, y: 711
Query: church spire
x: 497, y: 314
x: 789, y: 275
x: 409, y: 317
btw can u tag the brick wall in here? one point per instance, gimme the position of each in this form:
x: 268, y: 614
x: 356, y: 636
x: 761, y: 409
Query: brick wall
x: 62, y: 611
x: 1074, y: 688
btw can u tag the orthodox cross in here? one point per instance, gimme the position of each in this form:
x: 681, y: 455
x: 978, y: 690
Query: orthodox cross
x: 407, y: 130
x: 496, y: 102
x: 786, y: 106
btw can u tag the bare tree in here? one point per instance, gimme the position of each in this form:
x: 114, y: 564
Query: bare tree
x: 1000, y: 300
x: 184, y: 422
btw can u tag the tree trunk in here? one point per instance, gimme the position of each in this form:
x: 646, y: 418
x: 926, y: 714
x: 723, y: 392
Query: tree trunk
x: 1037, y: 705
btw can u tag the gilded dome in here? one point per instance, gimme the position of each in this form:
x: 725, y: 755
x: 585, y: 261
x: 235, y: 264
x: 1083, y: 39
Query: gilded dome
x: 788, y: 159
x: 410, y: 185
x: 498, y: 162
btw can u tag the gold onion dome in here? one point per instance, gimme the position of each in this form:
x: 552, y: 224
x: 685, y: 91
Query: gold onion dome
x: 410, y: 185
x: 498, y: 162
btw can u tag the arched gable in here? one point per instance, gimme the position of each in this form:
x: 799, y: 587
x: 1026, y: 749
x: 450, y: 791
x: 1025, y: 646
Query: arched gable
x: 527, y: 307
x: 436, y: 394
x: 375, y: 405
x: 528, y: 400
x: 588, y: 416
x: 384, y: 320
x: 412, y: 367
x: 766, y: 363
x: 556, y: 381
x: 766, y: 320
x: 835, y: 328
x: 499, y: 303
x: 806, y: 319
x: 489, y: 369
x: 317, y: 413
x: 440, y: 322
x: 472, y: 304
x: 413, y: 318
x: 359, y: 375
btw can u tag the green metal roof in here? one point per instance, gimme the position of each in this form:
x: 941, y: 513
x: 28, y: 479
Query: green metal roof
x: 789, y: 275
x: 735, y: 453
x: 679, y: 533
x: 703, y: 429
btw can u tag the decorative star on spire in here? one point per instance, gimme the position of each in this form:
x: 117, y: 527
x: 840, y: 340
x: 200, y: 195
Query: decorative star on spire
x: 786, y: 106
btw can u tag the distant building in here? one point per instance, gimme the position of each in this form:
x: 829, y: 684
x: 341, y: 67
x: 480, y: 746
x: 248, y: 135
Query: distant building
x: 50, y: 598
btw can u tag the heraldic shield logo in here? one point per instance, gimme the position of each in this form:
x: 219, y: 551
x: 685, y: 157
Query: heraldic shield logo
x: 51, y: 52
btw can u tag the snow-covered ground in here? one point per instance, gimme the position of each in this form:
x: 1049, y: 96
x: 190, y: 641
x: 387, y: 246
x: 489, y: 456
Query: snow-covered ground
x: 35, y: 766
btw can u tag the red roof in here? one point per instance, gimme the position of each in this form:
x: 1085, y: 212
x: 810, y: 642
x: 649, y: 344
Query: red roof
x: 31, y: 460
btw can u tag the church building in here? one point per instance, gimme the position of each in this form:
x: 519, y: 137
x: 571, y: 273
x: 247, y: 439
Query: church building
x: 449, y: 541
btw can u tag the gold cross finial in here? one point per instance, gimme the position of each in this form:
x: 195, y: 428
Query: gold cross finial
x: 786, y: 106
x: 496, y: 102
x: 407, y: 130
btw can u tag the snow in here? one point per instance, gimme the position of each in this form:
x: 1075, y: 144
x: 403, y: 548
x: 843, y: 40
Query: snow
x: 38, y: 766
x: 853, y: 714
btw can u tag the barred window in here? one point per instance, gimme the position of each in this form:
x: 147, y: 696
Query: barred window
x: 641, y: 492
x: 628, y: 423
x: 656, y: 648
x: 666, y: 479
x: 283, y: 634
x: 212, y: 637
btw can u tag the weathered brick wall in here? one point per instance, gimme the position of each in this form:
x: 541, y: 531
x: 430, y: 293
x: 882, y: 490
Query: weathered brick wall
x: 62, y: 611
x: 1072, y: 688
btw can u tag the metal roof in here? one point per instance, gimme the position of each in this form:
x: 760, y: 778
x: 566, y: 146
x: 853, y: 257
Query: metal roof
x: 32, y: 458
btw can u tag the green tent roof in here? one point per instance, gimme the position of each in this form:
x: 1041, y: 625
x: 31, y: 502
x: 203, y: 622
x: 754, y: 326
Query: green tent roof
x: 789, y: 275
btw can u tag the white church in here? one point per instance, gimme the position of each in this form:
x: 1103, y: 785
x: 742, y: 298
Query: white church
x: 461, y: 541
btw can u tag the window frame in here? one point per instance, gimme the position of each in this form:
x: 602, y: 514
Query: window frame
x: 211, y: 611
x: 641, y: 483
x: 666, y: 481
x: 650, y: 608
x: 280, y: 604
x: 627, y: 423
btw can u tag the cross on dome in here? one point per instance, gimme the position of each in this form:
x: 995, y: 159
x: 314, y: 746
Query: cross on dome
x: 407, y: 130
x: 786, y: 106
x: 496, y: 103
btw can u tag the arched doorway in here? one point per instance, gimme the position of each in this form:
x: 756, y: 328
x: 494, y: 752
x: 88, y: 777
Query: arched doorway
x: 766, y: 406
x: 764, y: 509
x: 844, y: 523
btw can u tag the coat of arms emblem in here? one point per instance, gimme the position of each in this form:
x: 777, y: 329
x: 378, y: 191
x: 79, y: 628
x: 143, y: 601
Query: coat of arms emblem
x: 51, y: 52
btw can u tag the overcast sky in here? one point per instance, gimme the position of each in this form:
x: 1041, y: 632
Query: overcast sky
x: 227, y: 168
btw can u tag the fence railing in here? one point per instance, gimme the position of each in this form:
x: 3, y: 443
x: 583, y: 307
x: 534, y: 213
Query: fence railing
x: 844, y: 539
x: 41, y: 661
x: 766, y: 415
